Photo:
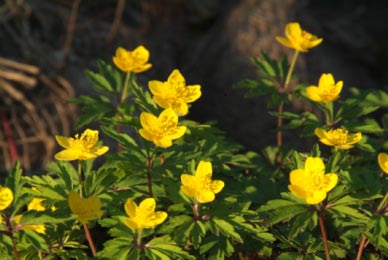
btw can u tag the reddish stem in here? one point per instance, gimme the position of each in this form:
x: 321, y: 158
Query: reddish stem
x: 324, y: 236
x: 90, y: 239
x: 10, y: 139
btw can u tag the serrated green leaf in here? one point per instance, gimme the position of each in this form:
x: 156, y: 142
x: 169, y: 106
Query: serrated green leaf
x: 14, y: 182
x: 227, y: 229
x: 125, y: 140
x: 35, y: 239
x: 100, y: 83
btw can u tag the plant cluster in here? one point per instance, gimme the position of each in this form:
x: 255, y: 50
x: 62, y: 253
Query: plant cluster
x: 172, y: 188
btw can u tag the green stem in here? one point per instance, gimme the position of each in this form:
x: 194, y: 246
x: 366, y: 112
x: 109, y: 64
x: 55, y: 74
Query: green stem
x: 80, y: 178
x: 124, y: 94
x: 382, y: 203
x: 329, y: 114
x: 139, y: 237
x: 195, y: 210
x: 292, y: 66
x: 281, y: 105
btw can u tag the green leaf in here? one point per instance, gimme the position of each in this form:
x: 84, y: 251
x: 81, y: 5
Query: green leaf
x: 35, y: 239
x: 227, y: 229
x: 100, y: 83
x: 342, y: 210
x: 112, y: 75
x: 14, y: 182
x: 367, y: 126
x: 33, y: 217
x: 125, y: 140
x: 168, y: 247
x: 282, y: 210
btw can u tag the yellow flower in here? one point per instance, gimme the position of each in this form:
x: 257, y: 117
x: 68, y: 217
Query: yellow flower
x: 85, y: 209
x: 132, y: 61
x: 298, y: 39
x: 339, y: 138
x: 382, y: 158
x: 144, y: 215
x: 326, y: 91
x: 161, y: 130
x: 174, y: 93
x: 40, y: 228
x: 80, y: 148
x: 311, y: 183
x: 6, y: 197
x: 35, y: 204
x: 200, y: 186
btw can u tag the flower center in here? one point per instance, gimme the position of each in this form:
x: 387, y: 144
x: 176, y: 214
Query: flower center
x: 86, y: 142
x: 338, y: 136
x: 167, y: 127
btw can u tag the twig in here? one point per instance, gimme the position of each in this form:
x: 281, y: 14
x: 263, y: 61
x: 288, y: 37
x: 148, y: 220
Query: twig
x: 19, y: 66
x: 117, y: 20
x: 90, y: 239
x: 324, y: 235
x: 70, y: 31
x: 26, y: 81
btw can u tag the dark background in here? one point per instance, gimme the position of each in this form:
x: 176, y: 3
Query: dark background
x: 209, y: 41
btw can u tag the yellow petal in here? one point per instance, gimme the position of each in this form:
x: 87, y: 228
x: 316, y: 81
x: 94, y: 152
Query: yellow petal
x: 148, y: 121
x: 62, y: 141
x: 130, y: 208
x: 176, y: 78
x: 297, y: 177
x: 217, y: 186
x: 205, y: 197
x: 326, y: 79
x: 284, y: 41
x: 169, y: 115
x: 36, y: 204
x: 354, y: 138
x: 163, y: 102
x: 157, y: 88
x: 141, y: 53
x: 189, y: 191
x: 178, y: 132
x: 85, y: 209
x: 298, y: 191
x: 163, y: 142
x: 314, y: 165
x: 313, y: 93
x: 68, y: 155
x: 99, y: 150
x: 181, y: 108
x: 192, y: 93
x: 314, y: 43
x: 321, y: 133
x: 148, y: 205
x: 132, y: 223
x: 204, y: 170
x: 382, y: 159
x: 6, y: 197
x: 330, y: 181
x: 160, y: 217
x: 187, y: 179
x: 315, y: 197
x: 146, y: 134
